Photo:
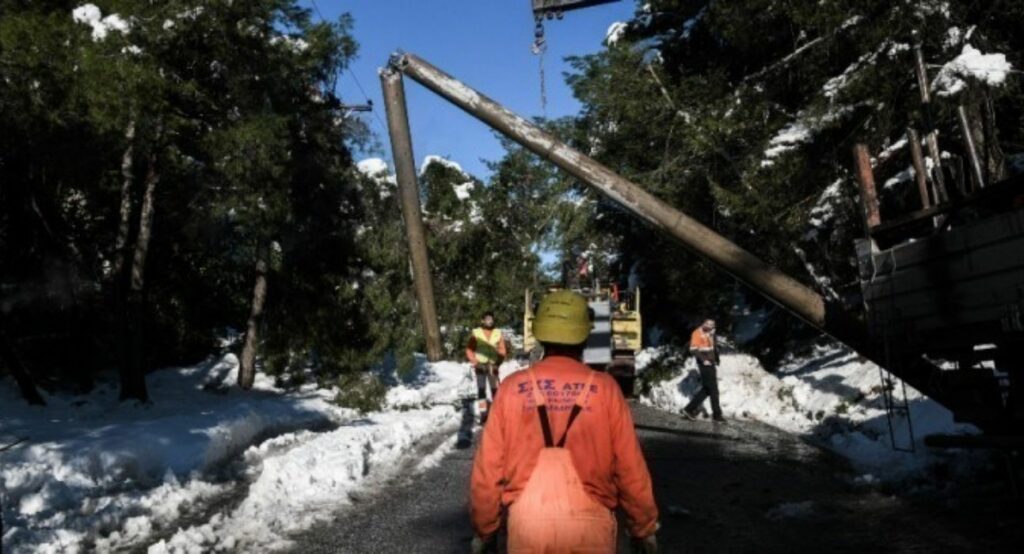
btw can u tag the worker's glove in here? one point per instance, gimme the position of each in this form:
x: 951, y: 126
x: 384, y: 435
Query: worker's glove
x: 481, y: 545
x: 646, y: 545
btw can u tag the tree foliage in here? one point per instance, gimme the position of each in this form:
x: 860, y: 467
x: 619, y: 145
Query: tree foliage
x: 743, y: 115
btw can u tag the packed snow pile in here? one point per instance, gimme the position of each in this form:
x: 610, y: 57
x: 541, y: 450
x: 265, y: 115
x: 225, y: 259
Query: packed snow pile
x: 98, y: 474
x: 990, y: 69
x: 833, y: 397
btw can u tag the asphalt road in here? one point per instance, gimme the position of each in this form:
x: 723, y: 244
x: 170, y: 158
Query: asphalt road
x: 740, y: 487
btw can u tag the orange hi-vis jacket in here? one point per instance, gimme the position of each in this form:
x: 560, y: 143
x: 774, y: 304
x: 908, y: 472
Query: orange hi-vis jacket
x: 702, y: 343
x: 485, y: 346
x: 602, y: 443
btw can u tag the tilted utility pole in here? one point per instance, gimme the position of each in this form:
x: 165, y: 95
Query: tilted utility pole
x: 409, y: 198
x: 791, y: 294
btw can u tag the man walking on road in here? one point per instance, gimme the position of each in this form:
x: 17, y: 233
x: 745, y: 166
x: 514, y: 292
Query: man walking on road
x: 560, y: 495
x: 485, y: 351
x: 705, y: 351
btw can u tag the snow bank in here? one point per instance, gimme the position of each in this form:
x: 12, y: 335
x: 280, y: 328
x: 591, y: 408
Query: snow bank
x: 96, y: 473
x: 831, y: 396
x: 311, y: 481
x: 439, y: 383
x: 990, y: 69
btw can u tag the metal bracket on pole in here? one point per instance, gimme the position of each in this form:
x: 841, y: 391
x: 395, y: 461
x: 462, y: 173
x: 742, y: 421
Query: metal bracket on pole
x: 409, y: 198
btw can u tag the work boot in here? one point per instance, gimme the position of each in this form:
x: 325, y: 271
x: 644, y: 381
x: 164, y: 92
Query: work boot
x: 719, y: 418
x: 689, y: 414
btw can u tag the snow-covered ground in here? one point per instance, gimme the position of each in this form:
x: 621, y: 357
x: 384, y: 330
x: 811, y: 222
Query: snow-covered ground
x: 831, y: 396
x: 97, y: 474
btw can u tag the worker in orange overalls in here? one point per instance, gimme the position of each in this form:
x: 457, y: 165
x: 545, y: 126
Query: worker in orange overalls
x: 485, y: 351
x: 705, y: 351
x: 560, y: 451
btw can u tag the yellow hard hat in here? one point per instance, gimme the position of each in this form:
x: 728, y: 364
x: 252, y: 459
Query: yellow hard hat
x: 563, y: 317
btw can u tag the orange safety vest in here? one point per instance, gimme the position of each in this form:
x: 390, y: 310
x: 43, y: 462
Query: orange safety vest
x: 487, y: 348
x: 701, y: 341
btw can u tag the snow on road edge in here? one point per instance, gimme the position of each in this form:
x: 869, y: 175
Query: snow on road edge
x: 99, y: 474
x: 831, y: 396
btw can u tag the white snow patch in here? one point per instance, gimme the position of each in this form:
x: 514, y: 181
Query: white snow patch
x: 378, y: 171
x: 443, y: 161
x: 799, y: 132
x: 615, y: 33
x: 90, y: 14
x: 463, y: 191
x: 295, y: 44
x: 990, y: 69
x: 901, y: 177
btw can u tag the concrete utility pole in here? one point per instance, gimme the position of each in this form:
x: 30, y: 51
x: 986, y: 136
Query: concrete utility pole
x: 409, y: 197
x: 786, y: 291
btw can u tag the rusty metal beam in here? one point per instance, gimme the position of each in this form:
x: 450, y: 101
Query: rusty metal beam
x: 866, y: 182
x: 409, y: 198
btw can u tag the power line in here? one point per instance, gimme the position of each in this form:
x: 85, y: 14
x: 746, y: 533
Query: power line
x: 355, y: 79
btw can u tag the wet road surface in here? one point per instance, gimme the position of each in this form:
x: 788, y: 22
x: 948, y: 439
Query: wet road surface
x: 740, y: 487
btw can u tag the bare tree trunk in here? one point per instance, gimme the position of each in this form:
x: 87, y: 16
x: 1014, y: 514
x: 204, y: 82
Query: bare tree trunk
x: 14, y: 364
x: 124, y: 220
x: 247, y: 368
x: 133, y: 375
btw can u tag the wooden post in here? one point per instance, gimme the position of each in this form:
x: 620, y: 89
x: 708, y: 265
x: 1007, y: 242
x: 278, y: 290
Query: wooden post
x: 868, y: 193
x: 972, y: 151
x: 920, y: 175
x: 931, y: 134
x: 409, y: 197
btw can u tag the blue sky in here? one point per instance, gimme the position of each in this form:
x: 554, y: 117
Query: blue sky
x: 484, y: 43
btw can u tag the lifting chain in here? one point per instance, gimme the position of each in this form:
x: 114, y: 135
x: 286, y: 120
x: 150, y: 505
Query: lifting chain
x: 539, y: 44
x: 539, y: 47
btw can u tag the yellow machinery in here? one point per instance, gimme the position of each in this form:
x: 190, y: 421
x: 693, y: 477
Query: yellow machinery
x: 616, y: 338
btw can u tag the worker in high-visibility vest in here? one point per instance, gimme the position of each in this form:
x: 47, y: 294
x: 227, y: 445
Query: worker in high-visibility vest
x: 485, y: 351
x: 561, y: 496
x: 705, y: 351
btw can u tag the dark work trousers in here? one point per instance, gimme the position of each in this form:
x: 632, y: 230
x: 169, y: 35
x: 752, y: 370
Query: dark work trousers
x: 487, y: 376
x: 708, y: 388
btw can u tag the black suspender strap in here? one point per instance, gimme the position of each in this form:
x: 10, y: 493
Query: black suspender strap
x: 576, y: 409
x: 545, y: 426
x: 542, y: 411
